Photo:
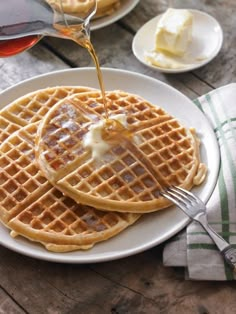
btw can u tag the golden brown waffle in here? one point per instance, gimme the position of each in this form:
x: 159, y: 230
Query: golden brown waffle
x: 32, y: 107
x: 6, y: 128
x: 30, y: 206
x: 83, y: 7
x: 130, y: 174
x: 106, y: 7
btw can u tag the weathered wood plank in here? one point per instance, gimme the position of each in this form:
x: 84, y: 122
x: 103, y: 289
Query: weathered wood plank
x: 7, y: 305
x: 222, y: 69
x: 145, y: 274
x: 42, y: 287
x: 138, y: 284
x: 113, y: 46
x: 118, y: 54
x: 38, y: 60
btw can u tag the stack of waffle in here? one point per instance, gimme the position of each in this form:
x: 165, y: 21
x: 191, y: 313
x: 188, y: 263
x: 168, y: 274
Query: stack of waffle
x: 82, y: 8
x: 52, y: 189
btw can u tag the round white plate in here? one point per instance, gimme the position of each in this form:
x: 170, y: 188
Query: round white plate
x: 151, y: 229
x: 207, y: 40
x: 125, y: 7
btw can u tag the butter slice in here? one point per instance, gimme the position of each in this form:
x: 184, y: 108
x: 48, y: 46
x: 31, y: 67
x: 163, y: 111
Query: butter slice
x: 163, y: 60
x: 174, y: 31
x: 93, y: 139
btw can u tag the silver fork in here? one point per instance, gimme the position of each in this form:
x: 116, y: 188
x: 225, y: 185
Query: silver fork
x: 192, y: 206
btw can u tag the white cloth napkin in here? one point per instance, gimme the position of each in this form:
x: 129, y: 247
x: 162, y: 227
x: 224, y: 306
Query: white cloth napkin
x: 193, y: 248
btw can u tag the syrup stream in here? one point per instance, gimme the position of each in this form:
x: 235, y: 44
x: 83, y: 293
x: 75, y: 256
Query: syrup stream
x: 79, y: 34
x: 91, y: 50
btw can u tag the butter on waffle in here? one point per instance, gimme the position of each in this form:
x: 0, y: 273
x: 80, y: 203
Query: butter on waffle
x: 129, y: 175
x: 30, y: 206
x: 32, y: 107
x: 84, y: 7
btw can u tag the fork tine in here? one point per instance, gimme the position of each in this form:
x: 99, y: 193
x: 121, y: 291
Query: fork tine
x: 182, y: 193
x: 174, y: 198
x: 187, y: 194
x: 178, y: 188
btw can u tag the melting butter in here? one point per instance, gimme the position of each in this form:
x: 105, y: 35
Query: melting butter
x: 172, y: 39
x: 166, y: 61
x: 93, y: 139
x: 174, y: 31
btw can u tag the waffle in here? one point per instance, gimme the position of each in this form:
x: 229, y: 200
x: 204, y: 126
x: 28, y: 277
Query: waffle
x: 105, y: 8
x: 152, y: 151
x: 32, y: 107
x: 83, y: 7
x: 30, y: 206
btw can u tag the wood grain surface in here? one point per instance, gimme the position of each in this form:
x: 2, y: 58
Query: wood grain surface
x: 137, y: 284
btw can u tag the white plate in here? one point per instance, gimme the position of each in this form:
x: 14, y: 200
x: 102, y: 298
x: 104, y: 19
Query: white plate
x: 151, y: 229
x: 206, y: 43
x: 125, y: 7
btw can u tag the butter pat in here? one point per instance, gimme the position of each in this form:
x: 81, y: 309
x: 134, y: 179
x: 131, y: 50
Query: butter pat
x: 174, y: 31
x: 93, y: 139
x: 162, y: 60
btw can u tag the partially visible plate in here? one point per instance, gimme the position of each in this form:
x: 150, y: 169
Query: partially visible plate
x: 125, y: 7
x: 152, y: 229
x: 207, y: 40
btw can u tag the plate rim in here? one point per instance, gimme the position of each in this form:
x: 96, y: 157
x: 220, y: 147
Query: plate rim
x: 187, y: 69
x: 117, y: 15
x: 54, y: 257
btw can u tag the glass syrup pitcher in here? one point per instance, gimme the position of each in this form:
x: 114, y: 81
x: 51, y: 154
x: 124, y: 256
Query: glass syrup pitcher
x: 24, y: 22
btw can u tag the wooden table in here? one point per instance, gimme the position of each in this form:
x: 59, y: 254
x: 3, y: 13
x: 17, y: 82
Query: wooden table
x: 140, y: 283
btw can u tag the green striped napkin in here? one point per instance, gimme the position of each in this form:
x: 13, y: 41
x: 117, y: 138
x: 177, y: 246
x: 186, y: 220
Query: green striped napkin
x: 193, y: 248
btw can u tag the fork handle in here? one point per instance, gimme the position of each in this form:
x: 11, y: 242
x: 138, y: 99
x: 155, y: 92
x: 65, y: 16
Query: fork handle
x: 227, y: 251
x: 229, y: 255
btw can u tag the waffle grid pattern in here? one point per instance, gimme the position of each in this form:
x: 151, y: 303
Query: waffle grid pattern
x: 6, y: 128
x: 81, y: 7
x: 19, y: 178
x: 32, y: 207
x: 173, y: 164
x: 122, y: 175
x: 68, y: 127
x: 32, y: 108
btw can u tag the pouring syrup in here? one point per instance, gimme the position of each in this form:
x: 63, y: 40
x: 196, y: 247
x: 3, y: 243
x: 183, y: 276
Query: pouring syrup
x: 24, y: 22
